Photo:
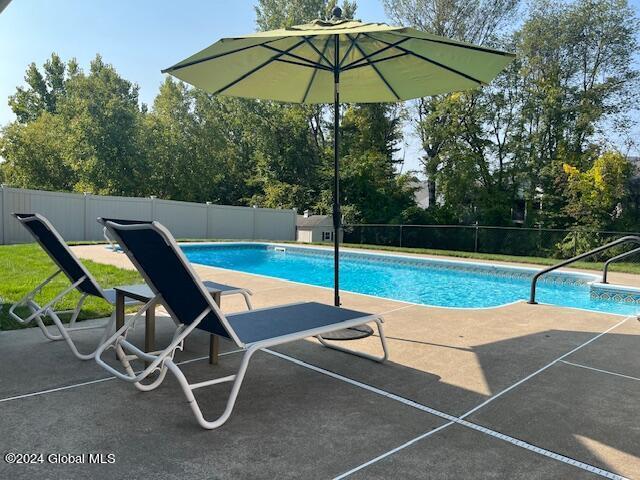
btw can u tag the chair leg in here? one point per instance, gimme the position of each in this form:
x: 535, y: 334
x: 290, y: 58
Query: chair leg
x: 124, y: 360
x: 188, y: 388
x: 383, y: 341
x: 64, y: 334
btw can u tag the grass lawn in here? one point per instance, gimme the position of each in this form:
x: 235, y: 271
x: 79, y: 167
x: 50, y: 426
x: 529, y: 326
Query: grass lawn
x: 23, y: 267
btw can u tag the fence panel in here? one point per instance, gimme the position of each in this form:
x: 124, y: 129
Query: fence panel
x: 16, y: 200
x: 74, y: 215
x: 516, y: 241
x: 184, y: 220
x: 442, y: 237
x: 230, y: 222
x: 67, y: 209
x: 113, y: 207
x: 274, y: 224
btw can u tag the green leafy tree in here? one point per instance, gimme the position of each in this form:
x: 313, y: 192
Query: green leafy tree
x: 573, y: 80
x: 37, y: 154
x: 273, y: 14
x: 104, y: 122
x: 175, y: 171
x: 596, y: 196
x: 41, y: 92
x: 225, y: 137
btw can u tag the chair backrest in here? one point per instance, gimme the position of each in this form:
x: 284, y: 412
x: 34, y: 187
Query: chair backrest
x: 52, y: 243
x: 161, y: 262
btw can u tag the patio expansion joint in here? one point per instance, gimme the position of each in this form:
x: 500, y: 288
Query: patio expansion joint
x: 99, y: 380
x: 460, y: 420
x: 628, y: 377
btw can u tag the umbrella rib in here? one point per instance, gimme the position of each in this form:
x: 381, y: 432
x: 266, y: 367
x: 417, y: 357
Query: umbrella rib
x: 375, y: 69
x: 310, y: 63
x: 346, y: 54
x: 321, y: 53
x: 255, y: 69
x: 313, y: 76
x: 355, y: 63
x: 458, y: 45
x: 213, y: 57
x: 391, y: 57
x: 433, y: 62
x: 301, y: 64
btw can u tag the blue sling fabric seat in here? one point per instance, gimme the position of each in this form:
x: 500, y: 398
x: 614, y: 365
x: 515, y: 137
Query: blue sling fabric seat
x: 262, y: 324
x: 163, y: 265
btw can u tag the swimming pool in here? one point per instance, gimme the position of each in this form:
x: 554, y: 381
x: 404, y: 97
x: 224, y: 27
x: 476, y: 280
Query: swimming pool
x: 425, y: 281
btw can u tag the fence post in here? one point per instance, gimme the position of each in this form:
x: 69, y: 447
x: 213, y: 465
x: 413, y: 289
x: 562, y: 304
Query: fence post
x: 253, y: 234
x: 84, y: 215
x: 3, y: 206
x: 575, y: 243
x: 153, y: 207
x: 207, y: 208
x: 400, y: 235
x: 475, y: 242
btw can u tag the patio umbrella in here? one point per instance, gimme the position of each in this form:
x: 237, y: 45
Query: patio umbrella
x: 328, y: 61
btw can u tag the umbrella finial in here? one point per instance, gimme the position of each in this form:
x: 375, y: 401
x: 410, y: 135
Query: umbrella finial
x: 336, y: 13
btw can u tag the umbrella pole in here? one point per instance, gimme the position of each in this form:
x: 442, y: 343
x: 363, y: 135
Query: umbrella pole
x: 362, y: 331
x: 337, y: 221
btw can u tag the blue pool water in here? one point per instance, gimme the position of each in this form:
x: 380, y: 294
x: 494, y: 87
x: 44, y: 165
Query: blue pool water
x: 429, y: 282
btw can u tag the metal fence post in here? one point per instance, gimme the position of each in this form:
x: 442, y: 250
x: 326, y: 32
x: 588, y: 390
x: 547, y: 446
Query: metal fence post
x: 575, y: 243
x: 400, y: 235
x: 475, y: 243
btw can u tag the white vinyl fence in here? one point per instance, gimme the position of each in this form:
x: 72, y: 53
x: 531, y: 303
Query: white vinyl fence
x: 74, y: 215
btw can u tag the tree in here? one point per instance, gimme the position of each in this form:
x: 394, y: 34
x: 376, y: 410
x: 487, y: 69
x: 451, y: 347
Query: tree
x: 291, y: 145
x: 226, y: 131
x: 573, y: 79
x: 104, y: 120
x: 596, y: 196
x: 272, y: 14
x: 467, y: 20
x: 372, y: 191
x: 42, y: 91
x: 174, y: 169
x: 37, y: 154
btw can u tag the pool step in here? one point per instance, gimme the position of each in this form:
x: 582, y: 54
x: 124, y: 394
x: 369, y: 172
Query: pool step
x: 615, y: 293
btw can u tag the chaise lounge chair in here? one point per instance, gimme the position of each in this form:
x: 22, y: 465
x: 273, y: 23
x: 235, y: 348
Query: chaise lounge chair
x: 153, y: 250
x: 81, y: 280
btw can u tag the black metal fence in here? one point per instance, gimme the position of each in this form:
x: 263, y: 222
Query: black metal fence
x: 530, y: 242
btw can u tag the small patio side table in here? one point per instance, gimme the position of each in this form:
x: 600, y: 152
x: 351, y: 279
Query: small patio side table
x: 142, y: 293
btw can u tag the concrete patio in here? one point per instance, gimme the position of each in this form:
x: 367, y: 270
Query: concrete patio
x: 522, y: 391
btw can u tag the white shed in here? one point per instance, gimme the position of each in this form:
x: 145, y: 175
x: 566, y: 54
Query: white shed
x: 314, y: 228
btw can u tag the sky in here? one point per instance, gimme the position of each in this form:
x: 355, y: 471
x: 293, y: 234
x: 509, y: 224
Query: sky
x: 138, y: 37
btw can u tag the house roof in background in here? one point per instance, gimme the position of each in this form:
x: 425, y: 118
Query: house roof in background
x: 314, y: 221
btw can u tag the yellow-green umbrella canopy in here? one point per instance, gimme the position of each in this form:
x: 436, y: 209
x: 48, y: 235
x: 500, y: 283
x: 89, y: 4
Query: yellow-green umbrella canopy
x: 339, y: 60
x: 376, y: 62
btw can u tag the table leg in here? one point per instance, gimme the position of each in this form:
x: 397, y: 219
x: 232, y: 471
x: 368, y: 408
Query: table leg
x: 214, y: 349
x: 119, y: 312
x: 150, y: 330
x: 214, y: 340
